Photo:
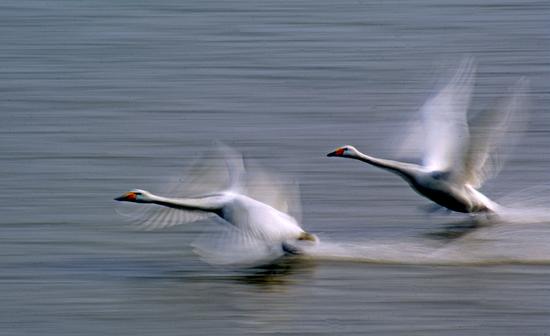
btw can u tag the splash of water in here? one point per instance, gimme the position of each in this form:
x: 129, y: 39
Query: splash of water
x: 495, y: 244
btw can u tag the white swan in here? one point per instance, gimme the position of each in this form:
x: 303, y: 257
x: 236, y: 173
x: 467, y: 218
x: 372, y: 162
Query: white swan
x: 457, y: 156
x: 253, y: 232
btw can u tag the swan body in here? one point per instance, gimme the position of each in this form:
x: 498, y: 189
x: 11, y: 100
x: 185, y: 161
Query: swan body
x: 256, y: 218
x: 457, y: 156
x: 434, y: 185
x: 254, y: 213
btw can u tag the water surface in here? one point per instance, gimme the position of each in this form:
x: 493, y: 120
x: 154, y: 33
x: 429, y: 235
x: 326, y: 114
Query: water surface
x: 98, y: 97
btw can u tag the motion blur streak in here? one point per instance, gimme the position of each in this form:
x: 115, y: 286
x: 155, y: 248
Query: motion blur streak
x: 99, y: 97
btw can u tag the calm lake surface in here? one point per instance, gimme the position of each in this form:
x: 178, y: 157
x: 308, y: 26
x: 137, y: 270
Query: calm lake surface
x: 99, y: 97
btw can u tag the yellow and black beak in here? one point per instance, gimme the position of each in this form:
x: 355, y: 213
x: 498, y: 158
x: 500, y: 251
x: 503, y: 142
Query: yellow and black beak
x: 338, y: 152
x: 127, y: 197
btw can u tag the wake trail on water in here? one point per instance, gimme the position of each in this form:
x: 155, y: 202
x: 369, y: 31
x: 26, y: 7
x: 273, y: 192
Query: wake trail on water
x: 484, y: 246
x: 518, y: 234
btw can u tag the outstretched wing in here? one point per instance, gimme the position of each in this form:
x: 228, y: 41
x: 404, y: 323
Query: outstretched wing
x: 491, y: 132
x: 272, y: 189
x: 224, y: 168
x: 220, y: 168
x: 230, y: 245
x: 154, y: 217
x: 445, y: 120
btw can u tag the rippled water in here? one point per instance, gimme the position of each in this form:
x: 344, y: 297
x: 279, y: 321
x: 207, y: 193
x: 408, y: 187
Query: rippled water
x: 98, y: 97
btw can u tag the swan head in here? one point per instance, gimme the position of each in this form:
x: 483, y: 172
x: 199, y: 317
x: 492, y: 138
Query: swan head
x: 345, y: 151
x: 136, y: 196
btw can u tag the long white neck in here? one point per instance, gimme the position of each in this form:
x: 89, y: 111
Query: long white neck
x: 406, y: 170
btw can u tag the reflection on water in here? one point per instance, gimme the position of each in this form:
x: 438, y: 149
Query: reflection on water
x: 456, y: 230
x: 99, y: 97
x: 277, y: 275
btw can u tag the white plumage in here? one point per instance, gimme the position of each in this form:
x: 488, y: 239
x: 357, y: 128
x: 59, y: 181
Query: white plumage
x: 458, y: 155
x: 252, y: 231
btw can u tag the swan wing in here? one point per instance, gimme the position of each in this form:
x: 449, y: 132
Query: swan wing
x: 492, y: 132
x: 274, y: 190
x: 231, y: 245
x: 154, y: 217
x: 224, y: 168
x: 220, y: 168
x: 444, y: 119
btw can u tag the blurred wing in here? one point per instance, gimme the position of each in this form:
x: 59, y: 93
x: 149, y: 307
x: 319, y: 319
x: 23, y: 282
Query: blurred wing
x: 445, y: 121
x: 491, y: 132
x: 273, y: 190
x: 229, y: 245
x: 410, y: 145
x: 221, y: 168
x: 153, y: 217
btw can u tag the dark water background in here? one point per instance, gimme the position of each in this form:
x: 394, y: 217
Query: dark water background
x: 98, y: 97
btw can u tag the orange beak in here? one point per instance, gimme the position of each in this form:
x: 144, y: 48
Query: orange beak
x: 127, y: 197
x: 338, y: 152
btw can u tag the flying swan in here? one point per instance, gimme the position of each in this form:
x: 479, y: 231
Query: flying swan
x: 458, y: 156
x: 252, y: 232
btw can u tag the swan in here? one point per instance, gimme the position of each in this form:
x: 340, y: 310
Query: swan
x: 253, y: 232
x: 457, y: 157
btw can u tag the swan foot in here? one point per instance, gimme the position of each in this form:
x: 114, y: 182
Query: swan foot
x: 291, y: 249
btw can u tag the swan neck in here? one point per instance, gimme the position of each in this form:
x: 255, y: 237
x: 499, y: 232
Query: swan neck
x: 405, y: 170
